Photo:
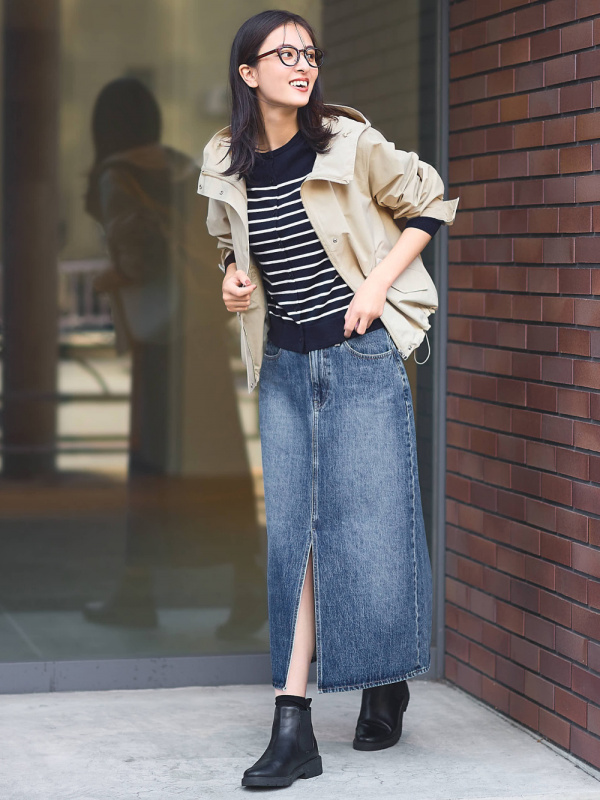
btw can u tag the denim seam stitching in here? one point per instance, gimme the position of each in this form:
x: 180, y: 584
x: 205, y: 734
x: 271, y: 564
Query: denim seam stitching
x: 369, y: 684
x: 314, y: 515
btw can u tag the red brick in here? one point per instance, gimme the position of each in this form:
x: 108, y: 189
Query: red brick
x: 559, y: 250
x: 509, y: 617
x: 540, y: 454
x: 587, y: 560
x: 585, y: 683
x: 555, y: 548
x: 539, y: 690
x: 560, y: 70
x: 514, y: 51
x: 571, y: 707
x: 528, y: 250
x: 588, y: 64
x: 541, y: 396
x: 527, y: 365
x: 482, y: 659
x: 571, y: 524
x: 539, y: 630
x: 594, y: 656
x: 574, y: 280
x: 542, y: 279
x: 501, y: 82
x: 571, y: 645
x: 559, y: 131
x: 524, y: 537
x: 513, y: 220
x: 512, y: 165
x: 587, y: 373
x: 510, y: 674
x: 557, y: 370
x: 524, y: 595
x: 586, y: 312
x: 545, y: 162
x: 587, y: 189
x: 557, y: 489
x: 555, y: 728
x: 587, y: 622
x: 585, y: 746
x: 542, y: 337
x: 576, y: 159
x: 557, y: 429
x: 457, y: 645
x: 587, y: 248
x: 570, y: 462
x: 557, y: 309
x: 573, y: 340
x: 555, y: 608
x: 530, y: 192
x: 512, y: 335
x: 560, y: 190
x: 526, y: 423
x: 578, y: 36
x: 524, y: 711
x: 528, y: 134
x: 577, y: 97
x: 575, y: 219
x: 468, y: 679
x: 571, y: 585
x: 494, y: 694
x: 496, y: 583
x: 586, y: 435
x: 593, y: 719
x: 539, y: 572
x: 542, y: 220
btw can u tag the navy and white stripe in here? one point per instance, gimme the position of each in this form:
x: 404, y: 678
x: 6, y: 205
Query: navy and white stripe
x: 301, y: 283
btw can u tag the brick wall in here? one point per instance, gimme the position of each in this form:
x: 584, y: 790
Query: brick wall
x: 523, y: 410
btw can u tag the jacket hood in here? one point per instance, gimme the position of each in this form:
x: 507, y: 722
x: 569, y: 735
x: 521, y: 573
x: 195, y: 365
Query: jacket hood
x: 153, y: 157
x: 151, y: 160
x: 337, y: 165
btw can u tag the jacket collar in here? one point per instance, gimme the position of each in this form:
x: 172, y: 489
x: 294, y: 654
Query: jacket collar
x: 337, y: 165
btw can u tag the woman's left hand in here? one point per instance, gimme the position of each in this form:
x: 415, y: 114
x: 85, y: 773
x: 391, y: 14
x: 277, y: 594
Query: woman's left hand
x: 367, y: 304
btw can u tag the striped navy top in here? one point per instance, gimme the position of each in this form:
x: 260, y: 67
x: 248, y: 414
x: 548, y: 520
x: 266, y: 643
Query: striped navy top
x: 307, y: 299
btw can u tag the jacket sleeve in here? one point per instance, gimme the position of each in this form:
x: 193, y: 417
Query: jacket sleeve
x: 400, y: 181
x: 218, y: 225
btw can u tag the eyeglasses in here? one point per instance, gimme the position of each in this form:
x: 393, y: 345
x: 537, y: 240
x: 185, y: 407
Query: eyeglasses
x: 290, y: 55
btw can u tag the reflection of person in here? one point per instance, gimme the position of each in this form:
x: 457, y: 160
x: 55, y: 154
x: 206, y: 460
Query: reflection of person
x: 143, y: 194
x: 336, y: 417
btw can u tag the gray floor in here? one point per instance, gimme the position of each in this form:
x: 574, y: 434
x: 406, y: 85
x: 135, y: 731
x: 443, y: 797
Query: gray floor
x: 194, y: 743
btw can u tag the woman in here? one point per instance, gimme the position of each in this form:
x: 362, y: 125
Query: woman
x: 142, y: 193
x: 303, y: 199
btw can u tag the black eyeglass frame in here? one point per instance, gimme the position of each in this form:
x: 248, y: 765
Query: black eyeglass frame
x: 292, y: 47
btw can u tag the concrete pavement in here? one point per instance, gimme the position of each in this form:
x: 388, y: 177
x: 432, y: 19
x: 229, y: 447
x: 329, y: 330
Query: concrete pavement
x: 194, y: 743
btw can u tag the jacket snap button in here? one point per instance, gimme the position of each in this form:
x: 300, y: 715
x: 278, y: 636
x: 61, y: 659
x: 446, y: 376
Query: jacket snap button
x: 335, y: 241
x: 199, y: 185
x: 221, y: 192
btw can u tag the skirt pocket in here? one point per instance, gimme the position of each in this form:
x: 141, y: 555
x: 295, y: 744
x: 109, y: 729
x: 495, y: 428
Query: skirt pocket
x: 370, y: 344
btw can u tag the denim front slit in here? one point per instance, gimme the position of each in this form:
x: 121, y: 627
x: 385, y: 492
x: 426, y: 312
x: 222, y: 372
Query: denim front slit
x: 340, y: 476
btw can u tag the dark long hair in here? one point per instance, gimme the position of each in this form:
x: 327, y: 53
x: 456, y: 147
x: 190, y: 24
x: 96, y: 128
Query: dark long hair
x: 246, y: 118
x: 125, y: 115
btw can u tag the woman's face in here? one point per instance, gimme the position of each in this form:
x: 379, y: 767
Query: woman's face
x: 273, y: 80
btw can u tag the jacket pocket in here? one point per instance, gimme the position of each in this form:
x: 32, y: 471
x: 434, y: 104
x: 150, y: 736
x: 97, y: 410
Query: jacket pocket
x: 411, y: 280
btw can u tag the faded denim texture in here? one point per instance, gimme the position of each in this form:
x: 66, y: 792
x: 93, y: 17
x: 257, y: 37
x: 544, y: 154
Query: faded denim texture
x: 340, y: 475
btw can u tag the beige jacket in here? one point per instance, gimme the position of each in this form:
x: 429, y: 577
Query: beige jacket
x: 352, y: 198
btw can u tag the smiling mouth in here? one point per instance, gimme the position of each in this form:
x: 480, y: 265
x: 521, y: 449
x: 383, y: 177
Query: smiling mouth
x: 299, y: 84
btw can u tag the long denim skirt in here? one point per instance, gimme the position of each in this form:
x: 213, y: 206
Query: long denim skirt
x: 340, y: 476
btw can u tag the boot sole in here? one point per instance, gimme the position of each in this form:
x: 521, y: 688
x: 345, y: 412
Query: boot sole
x: 384, y: 743
x: 311, y: 769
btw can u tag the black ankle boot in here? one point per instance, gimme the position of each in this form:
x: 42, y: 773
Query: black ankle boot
x: 292, y: 752
x: 380, y: 720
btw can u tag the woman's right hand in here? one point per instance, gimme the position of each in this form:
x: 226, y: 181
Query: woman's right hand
x: 237, y: 289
